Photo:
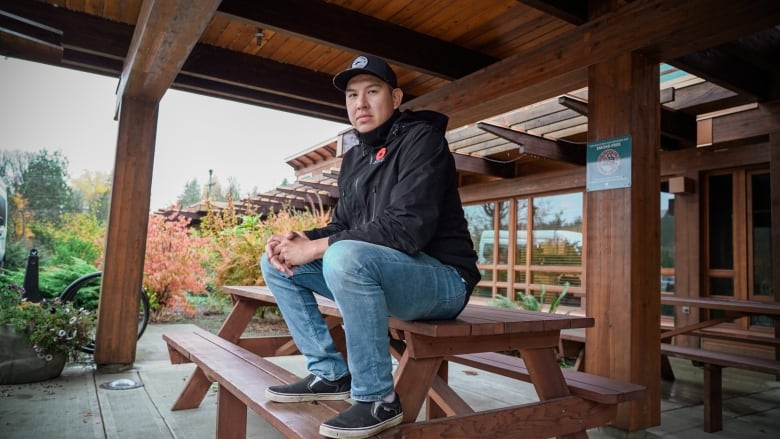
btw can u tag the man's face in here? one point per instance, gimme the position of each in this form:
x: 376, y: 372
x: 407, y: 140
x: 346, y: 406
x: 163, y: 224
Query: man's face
x: 370, y: 102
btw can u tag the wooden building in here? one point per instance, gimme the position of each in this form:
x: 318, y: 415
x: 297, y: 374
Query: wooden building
x: 511, y: 75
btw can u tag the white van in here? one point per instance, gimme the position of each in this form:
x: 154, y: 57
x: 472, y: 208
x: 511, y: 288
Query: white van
x: 487, y: 238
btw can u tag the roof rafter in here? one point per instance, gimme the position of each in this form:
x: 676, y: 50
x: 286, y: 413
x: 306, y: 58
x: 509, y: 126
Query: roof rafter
x: 560, y: 150
x: 480, y: 165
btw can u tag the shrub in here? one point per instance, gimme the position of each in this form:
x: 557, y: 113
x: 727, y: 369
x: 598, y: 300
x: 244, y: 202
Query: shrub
x: 239, y: 241
x: 174, y: 263
x: 529, y: 302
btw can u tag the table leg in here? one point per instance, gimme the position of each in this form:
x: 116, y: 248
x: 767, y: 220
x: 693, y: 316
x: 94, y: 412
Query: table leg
x: 546, y: 376
x: 413, y: 378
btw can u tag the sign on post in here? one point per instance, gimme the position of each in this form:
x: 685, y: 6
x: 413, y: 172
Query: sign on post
x: 609, y: 164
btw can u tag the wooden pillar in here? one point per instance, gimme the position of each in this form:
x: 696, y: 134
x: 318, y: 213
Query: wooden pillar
x: 126, y: 240
x: 774, y: 184
x: 623, y: 230
x: 687, y: 257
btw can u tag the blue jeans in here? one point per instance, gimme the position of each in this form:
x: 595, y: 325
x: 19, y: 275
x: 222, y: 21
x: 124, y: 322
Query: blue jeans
x: 368, y: 282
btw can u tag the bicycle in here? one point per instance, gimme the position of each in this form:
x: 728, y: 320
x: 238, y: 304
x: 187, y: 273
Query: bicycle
x: 91, y: 280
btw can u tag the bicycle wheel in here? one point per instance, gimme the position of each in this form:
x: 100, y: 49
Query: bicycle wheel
x: 80, y: 288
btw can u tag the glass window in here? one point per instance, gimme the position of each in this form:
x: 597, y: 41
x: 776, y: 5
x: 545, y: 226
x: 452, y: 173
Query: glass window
x: 667, y: 239
x: 557, y: 230
x: 480, y: 220
x: 761, y: 235
x: 521, y: 250
x: 721, y: 217
x: 503, y: 232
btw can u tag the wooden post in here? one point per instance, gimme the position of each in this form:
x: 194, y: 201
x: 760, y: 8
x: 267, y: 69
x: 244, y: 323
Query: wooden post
x: 164, y: 35
x: 126, y: 239
x: 687, y: 260
x: 623, y: 230
x: 774, y: 184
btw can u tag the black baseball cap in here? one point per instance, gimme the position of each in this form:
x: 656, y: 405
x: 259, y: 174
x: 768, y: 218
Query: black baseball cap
x: 366, y: 64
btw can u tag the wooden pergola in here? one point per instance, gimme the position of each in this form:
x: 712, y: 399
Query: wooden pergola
x: 469, y: 60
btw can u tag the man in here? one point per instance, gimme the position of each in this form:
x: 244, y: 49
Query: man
x: 397, y: 245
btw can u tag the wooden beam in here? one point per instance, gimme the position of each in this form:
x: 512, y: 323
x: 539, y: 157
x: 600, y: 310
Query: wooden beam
x: 248, y: 95
x: 28, y: 29
x: 311, y: 197
x: 230, y: 67
x: 745, y: 126
x: 349, y: 30
x: 479, y: 165
x: 575, y: 103
x: 664, y: 29
x: 23, y: 37
x: 706, y: 97
x: 559, y: 150
x: 574, y: 12
x: 165, y: 33
x: 331, y: 189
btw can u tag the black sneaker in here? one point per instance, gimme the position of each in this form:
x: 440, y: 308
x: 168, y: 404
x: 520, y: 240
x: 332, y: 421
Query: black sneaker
x: 311, y: 388
x: 364, y: 419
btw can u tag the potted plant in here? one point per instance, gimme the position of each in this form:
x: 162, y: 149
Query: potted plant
x: 37, y: 339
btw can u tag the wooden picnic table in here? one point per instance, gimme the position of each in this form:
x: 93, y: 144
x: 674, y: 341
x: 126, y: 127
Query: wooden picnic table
x: 422, y: 350
x: 732, y: 309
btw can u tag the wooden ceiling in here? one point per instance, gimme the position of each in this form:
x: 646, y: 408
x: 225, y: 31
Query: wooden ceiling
x: 282, y: 54
x: 489, y: 65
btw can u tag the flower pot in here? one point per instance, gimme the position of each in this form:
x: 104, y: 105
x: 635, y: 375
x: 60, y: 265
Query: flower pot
x: 19, y: 363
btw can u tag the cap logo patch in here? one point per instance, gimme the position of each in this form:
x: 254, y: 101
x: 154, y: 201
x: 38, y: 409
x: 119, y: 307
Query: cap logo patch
x: 360, y: 62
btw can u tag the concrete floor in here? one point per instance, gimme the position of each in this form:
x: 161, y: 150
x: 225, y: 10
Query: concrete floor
x: 75, y: 406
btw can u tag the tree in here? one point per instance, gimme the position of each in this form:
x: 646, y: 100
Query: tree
x: 44, y: 186
x: 92, y: 190
x: 191, y: 194
x: 233, y: 189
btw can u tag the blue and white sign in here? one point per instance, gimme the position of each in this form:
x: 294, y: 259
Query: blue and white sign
x: 609, y: 164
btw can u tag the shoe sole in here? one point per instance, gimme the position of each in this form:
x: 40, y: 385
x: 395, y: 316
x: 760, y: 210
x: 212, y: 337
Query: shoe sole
x: 305, y: 397
x: 359, y: 433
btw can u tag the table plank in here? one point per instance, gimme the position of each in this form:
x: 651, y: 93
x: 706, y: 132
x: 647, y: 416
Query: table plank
x: 744, y: 306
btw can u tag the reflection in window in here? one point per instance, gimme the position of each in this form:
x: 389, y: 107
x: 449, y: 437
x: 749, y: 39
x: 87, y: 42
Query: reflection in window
x: 521, y: 250
x: 760, y: 206
x: 557, y: 230
x: 509, y: 263
x: 721, y: 209
x: 480, y: 220
x: 503, y: 232
x: 667, y: 240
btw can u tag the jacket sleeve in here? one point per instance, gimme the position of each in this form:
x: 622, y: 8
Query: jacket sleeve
x: 410, y: 218
x: 337, y: 222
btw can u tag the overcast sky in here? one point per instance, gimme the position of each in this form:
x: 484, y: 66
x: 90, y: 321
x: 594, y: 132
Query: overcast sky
x: 71, y: 111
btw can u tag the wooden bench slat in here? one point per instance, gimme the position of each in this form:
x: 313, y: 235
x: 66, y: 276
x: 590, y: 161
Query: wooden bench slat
x: 722, y: 359
x: 246, y: 376
x: 591, y: 387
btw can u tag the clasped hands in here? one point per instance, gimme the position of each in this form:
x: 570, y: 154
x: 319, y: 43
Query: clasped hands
x: 291, y: 249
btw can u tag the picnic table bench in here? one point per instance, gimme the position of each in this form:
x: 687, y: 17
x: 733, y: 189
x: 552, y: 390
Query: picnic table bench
x: 712, y: 361
x: 569, y: 403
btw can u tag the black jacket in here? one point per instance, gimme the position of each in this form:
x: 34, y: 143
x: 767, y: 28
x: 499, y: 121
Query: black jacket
x: 402, y: 193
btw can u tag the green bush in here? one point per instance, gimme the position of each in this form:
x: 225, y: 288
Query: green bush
x: 529, y: 302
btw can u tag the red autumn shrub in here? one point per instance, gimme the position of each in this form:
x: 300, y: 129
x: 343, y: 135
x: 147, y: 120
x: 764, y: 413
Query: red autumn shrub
x: 174, y: 263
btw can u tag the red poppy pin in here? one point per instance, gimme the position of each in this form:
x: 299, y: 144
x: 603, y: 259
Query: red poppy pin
x: 380, y: 154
